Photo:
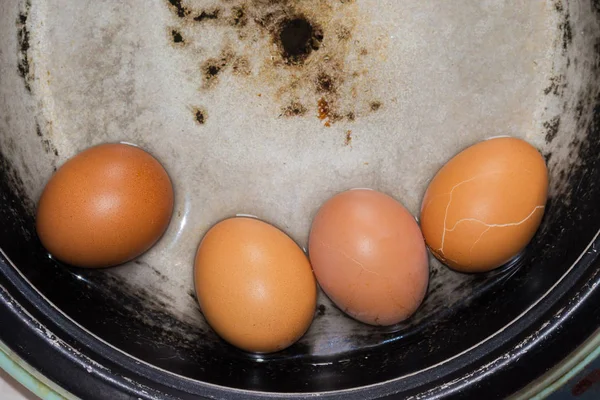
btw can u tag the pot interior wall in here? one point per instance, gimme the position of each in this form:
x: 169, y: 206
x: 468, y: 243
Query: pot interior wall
x: 210, y: 89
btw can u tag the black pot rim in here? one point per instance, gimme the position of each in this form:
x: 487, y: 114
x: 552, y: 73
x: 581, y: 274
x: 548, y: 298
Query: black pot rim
x: 84, y: 365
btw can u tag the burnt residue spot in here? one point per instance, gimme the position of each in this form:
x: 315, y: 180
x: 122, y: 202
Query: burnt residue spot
x: 348, y: 140
x: 298, y: 39
x: 558, y: 6
x: 344, y: 33
x: 325, y: 83
x: 562, y: 175
x: 177, y: 37
x: 567, y: 34
x: 178, y: 8
x: 294, y: 109
x: 289, y: 51
x: 241, y: 66
x: 199, y: 115
x: 23, y: 43
x: 575, y: 144
x: 321, y: 310
x: 208, y: 15
x: 579, y: 109
x: 557, y: 85
x: 434, y: 288
x: 47, y: 145
x: 551, y: 128
x: 239, y: 16
x: 212, y: 67
x: 162, y: 276
x: 144, y: 264
x: 566, y: 31
x: 547, y: 157
x: 213, y: 70
x: 375, y: 106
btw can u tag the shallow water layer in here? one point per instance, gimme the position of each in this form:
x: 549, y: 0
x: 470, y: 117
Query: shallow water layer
x: 376, y: 94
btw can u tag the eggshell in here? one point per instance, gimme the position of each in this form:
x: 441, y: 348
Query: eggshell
x: 485, y: 205
x: 105, y: 206
x: 254, y: 285
x: 369, y: 256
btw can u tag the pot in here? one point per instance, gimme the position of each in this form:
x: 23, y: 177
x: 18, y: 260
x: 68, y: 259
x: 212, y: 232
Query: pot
x: 269, y: 108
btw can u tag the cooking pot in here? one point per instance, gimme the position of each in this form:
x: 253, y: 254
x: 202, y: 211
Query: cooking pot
x: 269, y: 108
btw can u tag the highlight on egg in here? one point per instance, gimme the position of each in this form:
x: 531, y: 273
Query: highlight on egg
x: 254, y: 285
x: 484, y: 206
x: 105, y: 206
x: 369, y: 257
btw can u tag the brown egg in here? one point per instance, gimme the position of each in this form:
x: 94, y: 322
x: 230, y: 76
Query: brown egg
x: 369, y: 256
x: 485, y: 204
x: 105, y: 206
x: 254, y: 285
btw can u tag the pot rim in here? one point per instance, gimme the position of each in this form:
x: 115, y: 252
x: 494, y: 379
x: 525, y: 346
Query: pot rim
x: 42, y: 324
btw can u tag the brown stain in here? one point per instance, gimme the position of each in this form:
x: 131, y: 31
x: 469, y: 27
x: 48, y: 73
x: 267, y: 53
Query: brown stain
x: 325, y: 83
x: 178, y: 8
x: 213, y: 67
x: 295, y: 53
x: 348, y: 140
x: 177, y: 37
x: 241, y: 66
x: 375, y: 105
x: 323, y: 111
x: 199, y: 115
x: 239, y: 17
x: 294, y: 109
x: 208, y: 15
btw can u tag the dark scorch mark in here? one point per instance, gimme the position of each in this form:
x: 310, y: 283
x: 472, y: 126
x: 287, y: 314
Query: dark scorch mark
x: 551, y: 128
x: 177, y: 37
x: 23, y: 66
x: 199, y: 115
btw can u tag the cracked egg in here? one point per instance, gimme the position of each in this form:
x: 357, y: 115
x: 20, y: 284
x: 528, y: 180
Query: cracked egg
x: 484, y: 206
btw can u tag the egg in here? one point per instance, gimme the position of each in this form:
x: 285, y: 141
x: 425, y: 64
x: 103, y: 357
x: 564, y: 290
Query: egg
x: 105, y: 206
x: 369, y: 257
x: 484, y: 205
x: 254, y: 285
